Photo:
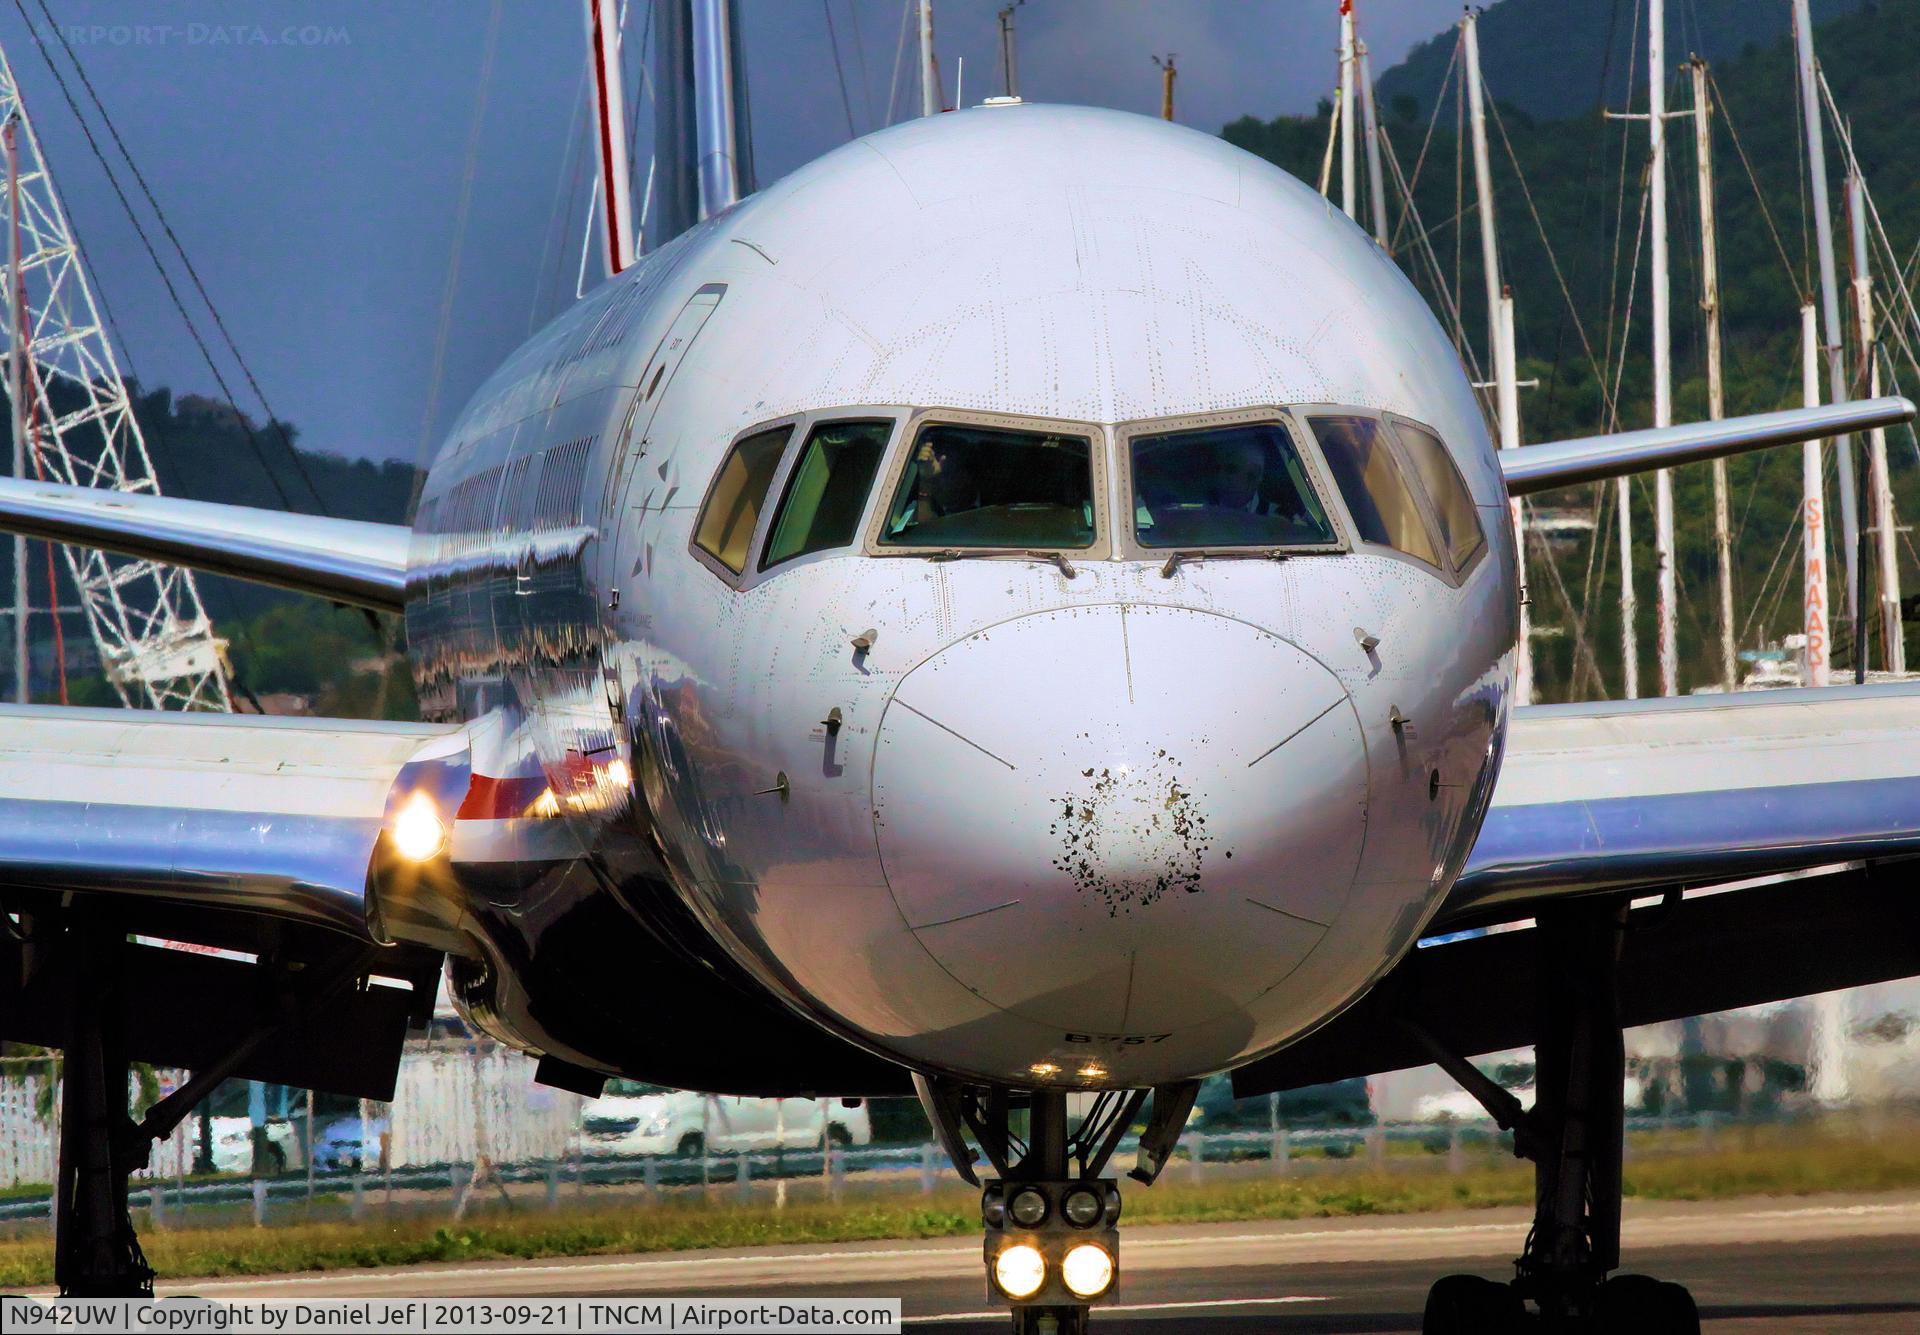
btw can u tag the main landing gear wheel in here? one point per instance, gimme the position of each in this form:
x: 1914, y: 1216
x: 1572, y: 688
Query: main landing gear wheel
x: 1574, y: 1135
x: 1471, y: 1305
x: 1642, y: 1305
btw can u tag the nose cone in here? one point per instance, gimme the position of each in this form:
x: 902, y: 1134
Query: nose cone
x: 1120, y: 821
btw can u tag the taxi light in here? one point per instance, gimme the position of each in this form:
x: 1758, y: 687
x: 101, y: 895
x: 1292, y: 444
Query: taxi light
x: 418, y: 831
x: 1028, y: 1207
x: 546, y: 804
x: 618, y: 774
x: 1087, y: 1270
x: 1083, y: 1208
x: 1020, y: 1270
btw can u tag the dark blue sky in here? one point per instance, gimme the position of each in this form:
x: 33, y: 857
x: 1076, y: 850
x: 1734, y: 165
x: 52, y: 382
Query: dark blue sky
x: 311, y: 156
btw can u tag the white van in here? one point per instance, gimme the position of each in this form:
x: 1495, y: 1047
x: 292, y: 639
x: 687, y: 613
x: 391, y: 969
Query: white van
x: 636, y: 1118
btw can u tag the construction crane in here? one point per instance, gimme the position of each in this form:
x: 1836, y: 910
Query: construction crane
x: 73, y: 422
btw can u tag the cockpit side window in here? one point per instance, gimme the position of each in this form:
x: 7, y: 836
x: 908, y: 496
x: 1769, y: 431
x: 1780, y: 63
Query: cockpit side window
x: 827, y: 491
x: 1359, y: 454
x: 1242, y: 485
x: 732, y: 512
x: 1459, y: 522
x: 983, y: 487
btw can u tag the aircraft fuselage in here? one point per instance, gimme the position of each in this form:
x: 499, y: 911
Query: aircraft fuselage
x: 1105, y: 809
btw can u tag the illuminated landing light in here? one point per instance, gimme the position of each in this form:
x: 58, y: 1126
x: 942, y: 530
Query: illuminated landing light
x: 618, y: 774
x: 418, y: 831
x: 1020, y: 1270
x: 546, y: 804
x: 1087, y: 1270
x: 1093, y: 1071
x: 1044, y: 1070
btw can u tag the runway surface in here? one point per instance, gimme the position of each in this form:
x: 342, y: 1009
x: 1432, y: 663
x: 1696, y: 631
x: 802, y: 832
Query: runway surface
x: 1841, y: 1264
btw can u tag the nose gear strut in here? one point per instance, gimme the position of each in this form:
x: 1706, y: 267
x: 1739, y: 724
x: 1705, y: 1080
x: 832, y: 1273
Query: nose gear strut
x: 1052, y: 1245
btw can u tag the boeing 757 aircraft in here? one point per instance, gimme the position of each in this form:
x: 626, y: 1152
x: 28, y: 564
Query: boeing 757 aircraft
x: 1023, y: 606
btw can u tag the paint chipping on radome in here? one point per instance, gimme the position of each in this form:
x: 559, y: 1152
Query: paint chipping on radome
x: 1132, y: 835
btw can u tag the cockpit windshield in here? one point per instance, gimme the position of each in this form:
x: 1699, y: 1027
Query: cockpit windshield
x: 1230, y: 486
x: 972, y: 486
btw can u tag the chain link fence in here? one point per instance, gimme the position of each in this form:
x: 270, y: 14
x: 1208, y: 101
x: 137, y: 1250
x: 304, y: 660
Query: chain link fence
x: 468, y: 1127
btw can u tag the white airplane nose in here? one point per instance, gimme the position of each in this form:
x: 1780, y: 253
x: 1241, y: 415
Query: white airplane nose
x: 1118, y: 821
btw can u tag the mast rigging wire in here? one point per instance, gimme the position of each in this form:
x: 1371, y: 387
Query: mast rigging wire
x: 193, y: 274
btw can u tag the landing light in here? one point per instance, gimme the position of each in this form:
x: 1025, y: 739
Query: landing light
x: 418, y: 831
x: 618, y: 774
x: 1044, y: 1070
x: 1087, y: 1270
x: 546, y: 804
x: 1093, y: 1071
x: 1020, y: 1270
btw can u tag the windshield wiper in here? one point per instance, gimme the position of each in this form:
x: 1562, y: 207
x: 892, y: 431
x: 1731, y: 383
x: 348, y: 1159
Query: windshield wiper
x: 1177, y: 559
x: 1051, y: 558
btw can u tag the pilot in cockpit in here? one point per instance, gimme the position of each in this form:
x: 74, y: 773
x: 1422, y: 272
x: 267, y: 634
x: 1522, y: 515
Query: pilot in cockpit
x: 1238, y: 468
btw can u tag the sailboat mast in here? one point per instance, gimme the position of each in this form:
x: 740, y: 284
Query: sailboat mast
x: 1816, y: 620
x: 1370, y: 122
x: 1663, y: 554
x: 1880, y: 495
x: 1835, y: 344
x: 1716, y: 386
x: 1499, y: 332
x: 1348, y: 183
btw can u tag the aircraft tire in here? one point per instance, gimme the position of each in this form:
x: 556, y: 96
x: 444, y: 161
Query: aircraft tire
x: 1470, y: 1305
x: 1643, y: 1305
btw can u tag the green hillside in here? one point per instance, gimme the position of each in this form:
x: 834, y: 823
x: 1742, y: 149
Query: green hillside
x: 1586, y: 194
x: 1564, y: 57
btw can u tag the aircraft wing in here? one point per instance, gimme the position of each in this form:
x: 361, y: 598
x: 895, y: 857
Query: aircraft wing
x: 1780, y: 817
x: 277, y: 817
x: 347, y: 560
x: 1693, y: 790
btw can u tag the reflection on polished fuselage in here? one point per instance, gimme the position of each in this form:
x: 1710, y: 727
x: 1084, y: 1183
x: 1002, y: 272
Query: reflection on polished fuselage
x: 1102, y: 814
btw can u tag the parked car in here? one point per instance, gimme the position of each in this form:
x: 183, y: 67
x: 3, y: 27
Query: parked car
x: 636, y: 1118
x: 233, y: 1146
x: 337, y: 1147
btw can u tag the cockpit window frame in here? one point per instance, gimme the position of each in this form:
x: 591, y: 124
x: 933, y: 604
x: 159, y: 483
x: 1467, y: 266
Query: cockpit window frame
x: 800, y: 429
x: 1128, y: 544
x: 1445, y: 571
x: 900, y: 455
x: 1461, y: 570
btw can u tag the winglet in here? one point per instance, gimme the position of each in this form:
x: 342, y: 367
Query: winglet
x: 347, y: 560
x: 1543, y: 467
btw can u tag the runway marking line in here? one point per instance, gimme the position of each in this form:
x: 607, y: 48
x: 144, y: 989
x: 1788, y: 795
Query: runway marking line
x: 889, y: 1253
x: 1189, y: 1305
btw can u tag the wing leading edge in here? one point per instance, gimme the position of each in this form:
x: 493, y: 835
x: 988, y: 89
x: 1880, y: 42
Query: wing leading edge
x: 276, y: 817
x: 347, y: 560
x: 1695, y: 790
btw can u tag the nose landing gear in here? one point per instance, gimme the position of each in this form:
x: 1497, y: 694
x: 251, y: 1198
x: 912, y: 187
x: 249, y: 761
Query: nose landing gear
x: 1574, y: 1136
x: 1052, y: 1243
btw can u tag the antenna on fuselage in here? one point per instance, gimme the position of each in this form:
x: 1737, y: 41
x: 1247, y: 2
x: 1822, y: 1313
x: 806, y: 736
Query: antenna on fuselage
x: 1166, y: 85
